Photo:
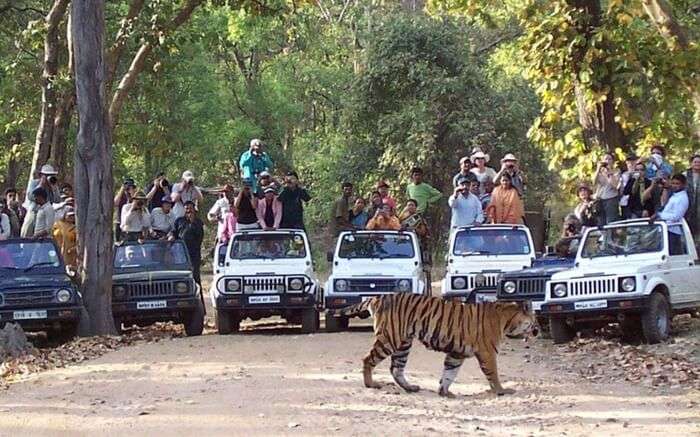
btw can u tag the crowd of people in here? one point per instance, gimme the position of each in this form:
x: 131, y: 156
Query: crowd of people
x: 642, y: 187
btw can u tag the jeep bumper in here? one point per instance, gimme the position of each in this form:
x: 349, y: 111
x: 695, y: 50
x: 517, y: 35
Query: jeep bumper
x: 265, y: 302
x: 38, y: 318
x: 154, y: 309
x: 591, y: 309
x: 477, y: 295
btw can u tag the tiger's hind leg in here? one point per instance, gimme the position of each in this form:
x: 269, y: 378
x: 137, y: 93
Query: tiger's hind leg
x: 488, y: 365
x: 381, y: 349
x: 449, y: 374
x: 398, y: 364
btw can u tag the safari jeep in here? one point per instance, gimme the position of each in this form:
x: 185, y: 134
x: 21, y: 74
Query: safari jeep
x: 36, y: 291
x: 636, y: 272
x: 371, y: 263
x: 152, y: 282
x: 264, y: 274
x: 478, y: 255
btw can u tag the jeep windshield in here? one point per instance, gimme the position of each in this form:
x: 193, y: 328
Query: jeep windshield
x: 378, y: 245
x: 623, y: 240
x: 26, y: 256
x: 475, y: 241
x: 157, y: 255
x: 268, y: 246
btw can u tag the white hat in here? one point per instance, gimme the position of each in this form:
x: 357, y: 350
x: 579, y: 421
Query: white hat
x: 255, y: 142
x: 48, y: 170
x: 264, y: 174
x: 188, y: 176
x: 479, y: 155
x: 509, y: 157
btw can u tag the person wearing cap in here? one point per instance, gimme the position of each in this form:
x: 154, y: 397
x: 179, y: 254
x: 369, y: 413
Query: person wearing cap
x: 465, y: 167
x: 585, y: 210
x: 185, y: 191
x: 218, y: 211
x: 66, y: 237
x: 480, y: 170
x: 40, y: 218
x: 5, y: 225
x: 266, y: 180
x: 510, y: 166
x: 657, y: 164
x: 637, y: 183
x: 253, y: 162
x: 384, y: 219
x: 162, y: 219
x: 625, y: 177
x: 157, y: 191
x: 190, y: 229
x: 269, y: 210
x: 14, y: 210
x: 122, y: 198
x: 506, y: 205
x: 693, y: 214
x: 246, y: 204
x: 341, y: 210
x: 465, y: 205
x: 383, y: 189
x: 48, y: 180
x: 136, y: 220
x: 422, y: 192
x: 293, y: 197
x: 606, y: 181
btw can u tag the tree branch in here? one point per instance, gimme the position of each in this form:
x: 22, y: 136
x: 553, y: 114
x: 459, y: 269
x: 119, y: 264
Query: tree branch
x: 115, y: 52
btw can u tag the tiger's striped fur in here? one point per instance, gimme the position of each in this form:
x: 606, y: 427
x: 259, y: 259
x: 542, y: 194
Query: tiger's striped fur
x: 460, y: 330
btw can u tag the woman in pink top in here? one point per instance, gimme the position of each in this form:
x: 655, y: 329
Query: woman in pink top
x: 230, y: 220
x: 269, y: 210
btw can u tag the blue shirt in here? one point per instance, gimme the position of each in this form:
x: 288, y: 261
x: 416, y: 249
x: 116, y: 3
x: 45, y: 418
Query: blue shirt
x: 252, y: 165
x: 360, y: 220
x: 466, y: 210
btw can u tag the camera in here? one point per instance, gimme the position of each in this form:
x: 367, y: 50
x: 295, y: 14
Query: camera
x: 53, y: 179
x: 604, y: 164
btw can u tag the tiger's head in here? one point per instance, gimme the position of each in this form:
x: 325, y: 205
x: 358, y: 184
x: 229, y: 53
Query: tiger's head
x: 518, y: 320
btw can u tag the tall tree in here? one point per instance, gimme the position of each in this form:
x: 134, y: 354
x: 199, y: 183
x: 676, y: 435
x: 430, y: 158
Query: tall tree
x: 93, y: 164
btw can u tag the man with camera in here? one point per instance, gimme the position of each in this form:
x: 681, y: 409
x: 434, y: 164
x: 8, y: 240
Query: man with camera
x: 190, y: 229
x: 607, y: 181
x: 162, y: 219
x: 657, y: 193
x: 48, y: 180
x: 157, y: 190
x: 123, y: 198
x: 384, y: 219
x: 674, y: 210
x: 40, y: 219
x: 465, y: 205
x: 185, y: 191
x: 246, y: 204
x: 634, y: 189
x: 253, y: 162
x: 293, y: 197
x: 15, y: 211
x: 510, y: 165
x: 136, y: 220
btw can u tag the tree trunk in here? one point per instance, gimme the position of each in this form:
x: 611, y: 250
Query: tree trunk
x: 661, y: 14
x: 64, y: 114
x: 93, y: 165
x: 42, y: 145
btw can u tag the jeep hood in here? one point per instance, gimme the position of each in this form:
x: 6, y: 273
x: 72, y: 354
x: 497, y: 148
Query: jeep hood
x: 464, y: 265
x: 617, y: 269
x: 19, y: 282
x: 539, y: 271
x: 266, y: 267
x: 374, y: 268
x: 121, y: 276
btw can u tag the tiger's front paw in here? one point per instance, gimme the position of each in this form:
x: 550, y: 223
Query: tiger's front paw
x: 373, y: 385
x: 446, y: 394
x: 504, y: 391
x: 412, y: 388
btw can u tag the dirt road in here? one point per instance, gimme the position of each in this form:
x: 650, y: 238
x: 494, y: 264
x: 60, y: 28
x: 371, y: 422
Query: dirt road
x: 271, y: 380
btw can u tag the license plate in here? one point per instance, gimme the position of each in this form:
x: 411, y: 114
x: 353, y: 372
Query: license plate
x: 365, y: 298
x: 481, y: 298
x: 264, y: 299
x: 151, y: 304
x: 29, y: 314
x: 590, y: 304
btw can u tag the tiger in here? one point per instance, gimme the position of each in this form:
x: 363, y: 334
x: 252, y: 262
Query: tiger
x: 457, y: 329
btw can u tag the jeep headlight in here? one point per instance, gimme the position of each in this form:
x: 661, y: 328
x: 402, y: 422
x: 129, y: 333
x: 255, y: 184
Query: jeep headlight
x: 296, y: 284
x: 341, y: 285
x: 559, y: 290
x: 119, y: 292
x: 479, y: 280
x: 63, y: 295
x: 233, y: 285
x: 509, y: 287
x: 459, y: 283
x: 628, y: 284
x: 404, y: 285
x: 181, y: 287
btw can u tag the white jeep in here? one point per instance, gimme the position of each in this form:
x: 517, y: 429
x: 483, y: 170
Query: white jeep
x: 372, y: 263
x: 266, y: 273
x: 639, y: 273
x: 479, y: 255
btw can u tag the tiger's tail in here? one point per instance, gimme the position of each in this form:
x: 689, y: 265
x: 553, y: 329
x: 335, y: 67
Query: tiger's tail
x: 357, y: 309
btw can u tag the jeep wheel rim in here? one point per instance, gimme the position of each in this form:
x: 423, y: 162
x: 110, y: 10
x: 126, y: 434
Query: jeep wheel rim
x: 662, y: 321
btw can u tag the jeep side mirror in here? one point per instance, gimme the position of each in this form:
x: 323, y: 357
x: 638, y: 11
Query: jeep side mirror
x: 329, y: 256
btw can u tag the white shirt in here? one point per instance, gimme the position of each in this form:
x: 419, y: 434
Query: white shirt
x: 160, y: 221
x: 488, y: 173
x: 44, y: 219
x: 188, y: 193
x: 218, y: 211
x: 675, y: 208
x: 136, y: 221
x: 466, y: 210
x: 4, y: 227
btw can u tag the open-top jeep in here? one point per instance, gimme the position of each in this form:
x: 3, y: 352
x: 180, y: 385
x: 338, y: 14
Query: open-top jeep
x: 636, y: 272
x: 264, y: 274
x: 35, y: 289
x: 152, y: 282
x: 371, y: 263
x: 478, y: 255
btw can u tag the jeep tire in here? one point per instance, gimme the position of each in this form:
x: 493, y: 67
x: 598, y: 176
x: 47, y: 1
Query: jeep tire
x: 336, y: 324
x: 656, y: 319
x: 66, y: 333
x: 310, y: 321
x: 561, y: 332
x: 227, y: 322
x: 194, y: 321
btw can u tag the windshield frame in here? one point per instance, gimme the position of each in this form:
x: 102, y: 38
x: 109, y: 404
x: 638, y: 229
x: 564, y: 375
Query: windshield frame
x: 584, y: 239
x: 289, y: 234
x: 415, y: 251
x: 484, y: 229
x: 160, y: 266
x: 60, y: 268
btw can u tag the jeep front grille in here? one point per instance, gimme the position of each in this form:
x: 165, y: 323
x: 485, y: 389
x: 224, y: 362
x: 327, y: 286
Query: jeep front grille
x: 489, y: 281
x: 592, y: 287
x: 29, y: 298
x: 263, y: 284
x: 531, y: 286
x: 372, y: 285
x: 139, y: 290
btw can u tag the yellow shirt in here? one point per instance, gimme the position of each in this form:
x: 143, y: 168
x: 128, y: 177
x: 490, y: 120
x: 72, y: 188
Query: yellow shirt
x: 66, y: 238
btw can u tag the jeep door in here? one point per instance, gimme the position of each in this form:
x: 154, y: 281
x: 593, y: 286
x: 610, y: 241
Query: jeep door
x: 681, y: 266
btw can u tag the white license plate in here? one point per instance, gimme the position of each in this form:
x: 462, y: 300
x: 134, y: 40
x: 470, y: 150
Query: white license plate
x: 480, y: 298
x: 590, y: 304
x: 264, y: 299
x: 151, y: 304
x: 29, y: 314
x: 365, y: 298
